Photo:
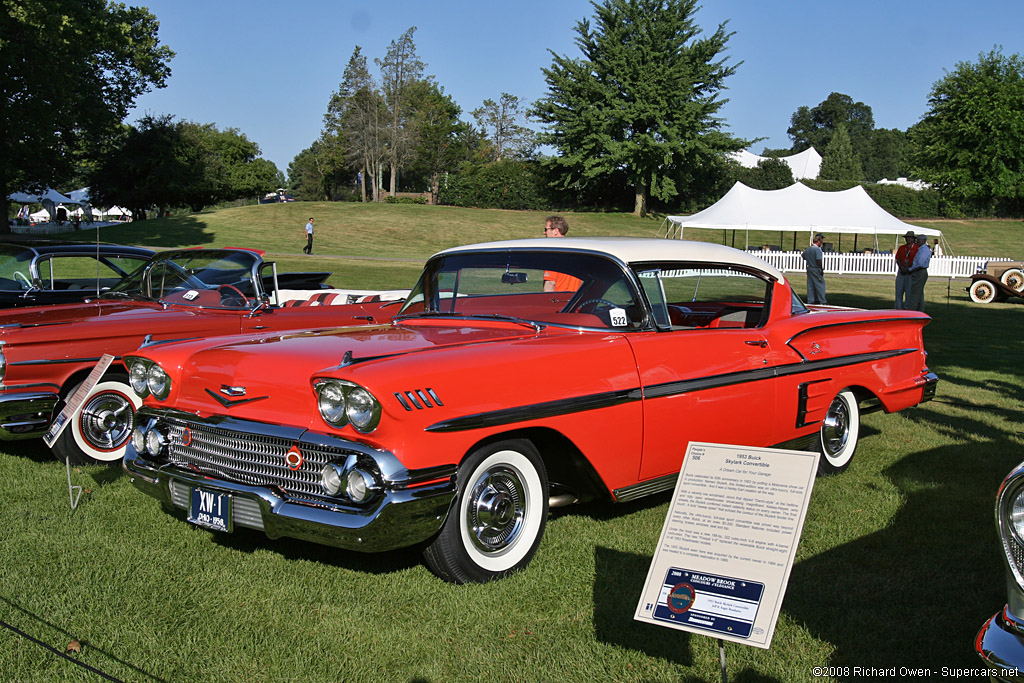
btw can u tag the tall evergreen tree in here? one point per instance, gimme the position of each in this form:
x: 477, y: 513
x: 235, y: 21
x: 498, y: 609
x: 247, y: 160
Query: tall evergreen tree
x: 400, y: 69
x: 643, y: 99
x: 839, y: 162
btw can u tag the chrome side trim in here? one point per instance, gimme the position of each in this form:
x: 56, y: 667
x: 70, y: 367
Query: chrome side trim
x: 645, y: 488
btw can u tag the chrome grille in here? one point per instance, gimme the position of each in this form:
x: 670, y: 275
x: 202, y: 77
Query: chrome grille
x: 251, y: 459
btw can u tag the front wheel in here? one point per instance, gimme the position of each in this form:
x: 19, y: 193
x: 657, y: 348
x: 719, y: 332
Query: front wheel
x: 100, y: 431
x: 837, y: 439
x: 982, y: 292
x: 499, y: 515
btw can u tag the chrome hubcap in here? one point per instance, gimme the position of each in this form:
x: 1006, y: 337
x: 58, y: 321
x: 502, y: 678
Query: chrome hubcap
x: 107, y: 421
x: 835, y: 430
x: 496, y: 509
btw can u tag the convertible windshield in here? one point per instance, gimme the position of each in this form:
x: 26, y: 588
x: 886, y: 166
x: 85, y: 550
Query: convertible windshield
x: 208, y: 279
x: 554, y: 287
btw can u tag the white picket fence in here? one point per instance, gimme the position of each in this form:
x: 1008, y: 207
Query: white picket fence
x: 875, y: 264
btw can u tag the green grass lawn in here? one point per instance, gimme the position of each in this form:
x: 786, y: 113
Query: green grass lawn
x: 898, y: 564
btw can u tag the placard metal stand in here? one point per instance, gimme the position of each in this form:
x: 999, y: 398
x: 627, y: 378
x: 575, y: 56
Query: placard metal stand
x: 70, y: 412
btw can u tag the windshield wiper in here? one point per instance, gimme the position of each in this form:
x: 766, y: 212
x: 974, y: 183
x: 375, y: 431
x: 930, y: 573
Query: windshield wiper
x: 509, y: 318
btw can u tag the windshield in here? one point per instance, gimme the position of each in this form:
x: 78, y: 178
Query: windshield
x: 206, y: 278
x: 555, y: 287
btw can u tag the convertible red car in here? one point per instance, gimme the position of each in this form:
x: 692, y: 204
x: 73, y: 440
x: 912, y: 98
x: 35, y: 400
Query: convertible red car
x: 46, y: 352
x: 517, y: 376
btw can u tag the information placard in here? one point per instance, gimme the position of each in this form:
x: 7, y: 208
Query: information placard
x: 728, y: 543
x: 74, y: 402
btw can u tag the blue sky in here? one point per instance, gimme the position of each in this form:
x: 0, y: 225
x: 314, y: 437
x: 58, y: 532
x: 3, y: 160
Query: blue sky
x: 269, y: 68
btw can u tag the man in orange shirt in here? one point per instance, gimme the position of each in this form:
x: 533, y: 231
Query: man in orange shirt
x: 556, y: 226
x: 904, y: 259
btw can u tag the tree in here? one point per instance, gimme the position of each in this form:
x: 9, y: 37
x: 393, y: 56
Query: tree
x: 888, y: 155
x: 770, y: 174
x: 839, y: 161
x: 441, y: 138
x: 70, y: 70
x: 167, y: 163
x: 968, y: 145
x: 351, y: 135
x: 815, y: 126
x: 642, y: 100
x: 399, y: 70
x: 499, y: 122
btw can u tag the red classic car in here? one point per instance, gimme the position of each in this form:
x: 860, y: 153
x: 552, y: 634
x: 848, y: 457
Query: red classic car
x: 46, y: 352
x: 489, y: 397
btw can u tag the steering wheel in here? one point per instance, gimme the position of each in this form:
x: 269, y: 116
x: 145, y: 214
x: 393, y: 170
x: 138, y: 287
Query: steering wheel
x: 229, y: 296
x: 611, y: 304
x: 24, y: 278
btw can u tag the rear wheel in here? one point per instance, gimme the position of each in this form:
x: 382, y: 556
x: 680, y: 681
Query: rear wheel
x: 982, y: 292
x: 499, y: 516
x: 837, y: 439
x: 101, y: 429
x: 1014, y: 279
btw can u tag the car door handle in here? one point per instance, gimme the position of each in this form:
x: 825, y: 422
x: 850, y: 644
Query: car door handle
x: 757, y: 342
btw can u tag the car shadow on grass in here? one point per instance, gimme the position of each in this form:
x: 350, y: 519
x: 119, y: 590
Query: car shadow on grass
x: 249, y: 541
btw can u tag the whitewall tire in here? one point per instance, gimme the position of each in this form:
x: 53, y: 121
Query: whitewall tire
x: 982, y: 292
x: 837, y: 438
x: 499, y: 516
x: 102, y: 427
x: 1014, y: 279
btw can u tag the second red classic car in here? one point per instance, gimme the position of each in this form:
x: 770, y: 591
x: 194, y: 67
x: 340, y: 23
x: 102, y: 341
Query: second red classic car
x: 517, y: 376
x: 46, y: 352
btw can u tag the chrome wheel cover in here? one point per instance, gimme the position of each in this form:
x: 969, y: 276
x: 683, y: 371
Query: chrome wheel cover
x: 835, y: 428
x: 107, y: 421
x: 496, y: 509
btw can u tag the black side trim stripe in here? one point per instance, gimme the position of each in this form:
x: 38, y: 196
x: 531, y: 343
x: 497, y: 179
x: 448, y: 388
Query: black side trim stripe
x: 579, y: 404
x: 536, y: 411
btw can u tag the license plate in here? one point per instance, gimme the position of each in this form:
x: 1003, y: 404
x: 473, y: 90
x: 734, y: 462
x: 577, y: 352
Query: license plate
x: 210, y: 510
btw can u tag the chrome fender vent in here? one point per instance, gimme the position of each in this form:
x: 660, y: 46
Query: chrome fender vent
x: 418, y: 399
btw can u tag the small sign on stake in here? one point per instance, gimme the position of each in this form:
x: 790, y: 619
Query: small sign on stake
x: 71, y: 409
x: 728, y: 543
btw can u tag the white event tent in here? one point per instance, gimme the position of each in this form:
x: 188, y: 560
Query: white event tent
x: 798, y: 208
x: 805, y: 164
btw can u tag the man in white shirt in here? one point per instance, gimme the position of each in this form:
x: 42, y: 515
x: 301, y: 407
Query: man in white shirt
x: 815, y: 270
x: 308, y: 249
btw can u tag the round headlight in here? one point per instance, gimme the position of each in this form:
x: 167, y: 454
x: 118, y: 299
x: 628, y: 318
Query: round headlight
x: 154, y: 442
x: 362, y: 409
x: 139, y: 440
x: 359, y: 484
x: 138, y: 378
x: 158, y: 382
x: 1017, y: 514
x: 331, y: 478
x: 332, y: 403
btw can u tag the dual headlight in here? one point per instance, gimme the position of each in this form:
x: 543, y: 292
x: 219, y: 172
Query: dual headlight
x: 1010, y: 516
x: 147, y: 378
x: 356, y: 480
x: 149, y: 441
x: 341, y: 403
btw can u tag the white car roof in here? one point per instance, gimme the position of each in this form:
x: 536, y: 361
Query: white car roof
x: 635, y: 249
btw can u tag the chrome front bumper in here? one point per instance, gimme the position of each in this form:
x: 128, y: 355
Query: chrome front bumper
x: 25, y: 414
x: 1000, y: 644
x: 396, y: 518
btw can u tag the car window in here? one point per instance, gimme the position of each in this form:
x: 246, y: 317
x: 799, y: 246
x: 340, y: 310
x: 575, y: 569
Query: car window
x: 15, y: 265
x: 693, y: 296
x: 583, y: 290
x: 60, y: 272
